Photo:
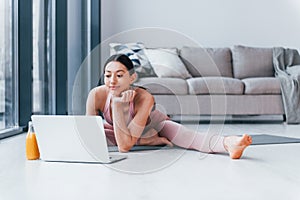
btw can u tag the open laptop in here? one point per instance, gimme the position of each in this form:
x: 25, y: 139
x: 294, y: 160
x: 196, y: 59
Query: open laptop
x: 68, y: 138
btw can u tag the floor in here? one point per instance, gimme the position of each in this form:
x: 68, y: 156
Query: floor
x: 264, y: 172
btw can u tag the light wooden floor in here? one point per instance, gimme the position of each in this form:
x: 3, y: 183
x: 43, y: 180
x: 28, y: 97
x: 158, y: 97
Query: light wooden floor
x: 264, y: 172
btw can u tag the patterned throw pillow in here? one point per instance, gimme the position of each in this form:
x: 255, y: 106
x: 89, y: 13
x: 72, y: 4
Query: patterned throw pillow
x: 135, y: 51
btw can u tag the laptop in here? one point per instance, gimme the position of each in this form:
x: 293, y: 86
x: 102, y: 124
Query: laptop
x: 70, y: 138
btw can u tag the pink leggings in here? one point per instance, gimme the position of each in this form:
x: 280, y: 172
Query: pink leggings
x: 180, y: 136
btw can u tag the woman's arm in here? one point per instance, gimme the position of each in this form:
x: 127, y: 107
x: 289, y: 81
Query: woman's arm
x: 127, y: 135
x: 95, y: 101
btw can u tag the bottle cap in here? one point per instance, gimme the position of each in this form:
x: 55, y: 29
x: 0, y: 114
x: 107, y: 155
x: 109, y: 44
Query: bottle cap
x: 29, y: 124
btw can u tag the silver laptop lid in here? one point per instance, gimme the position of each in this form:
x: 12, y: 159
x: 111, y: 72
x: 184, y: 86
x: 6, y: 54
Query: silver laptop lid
x: 71, y: 138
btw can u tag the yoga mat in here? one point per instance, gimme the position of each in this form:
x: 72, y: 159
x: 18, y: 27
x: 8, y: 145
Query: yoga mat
x: 272, y: 139
x: 262, y: 139
x: 139, y: 148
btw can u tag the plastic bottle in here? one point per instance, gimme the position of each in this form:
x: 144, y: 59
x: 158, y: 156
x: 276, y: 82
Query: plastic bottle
x: 32, y: 149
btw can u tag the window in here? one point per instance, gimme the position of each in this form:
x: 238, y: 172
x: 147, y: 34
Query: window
x: 8, y: 66
x: 43, y: 35
x: 39, y: 36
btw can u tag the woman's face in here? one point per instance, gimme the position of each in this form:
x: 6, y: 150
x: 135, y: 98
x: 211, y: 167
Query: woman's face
x: 117, y: 78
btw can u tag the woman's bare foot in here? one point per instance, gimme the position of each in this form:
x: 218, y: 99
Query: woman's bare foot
x: 235, y: 145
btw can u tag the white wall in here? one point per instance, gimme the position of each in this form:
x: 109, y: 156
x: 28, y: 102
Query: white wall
x: 213, y: 23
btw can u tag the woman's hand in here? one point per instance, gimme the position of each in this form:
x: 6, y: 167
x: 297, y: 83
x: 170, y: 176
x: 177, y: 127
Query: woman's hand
x: 152, y: 138
x: 126, y: 96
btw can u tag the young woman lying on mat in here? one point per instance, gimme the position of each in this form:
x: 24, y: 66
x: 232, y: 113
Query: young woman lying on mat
x: 133, y: 120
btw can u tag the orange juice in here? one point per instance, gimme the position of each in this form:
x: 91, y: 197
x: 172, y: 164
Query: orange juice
x: 32, y: 149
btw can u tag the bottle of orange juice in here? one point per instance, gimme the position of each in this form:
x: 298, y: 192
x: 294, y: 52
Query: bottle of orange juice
x: 32, y: 149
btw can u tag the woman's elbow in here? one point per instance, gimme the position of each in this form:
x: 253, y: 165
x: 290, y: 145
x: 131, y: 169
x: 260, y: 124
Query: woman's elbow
x: 124, y: 148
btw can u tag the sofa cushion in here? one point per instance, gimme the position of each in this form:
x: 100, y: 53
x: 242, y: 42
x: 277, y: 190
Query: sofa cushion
x: 166, y: 63
x: 135, y: 51
x: 266, y: 85
x: 215, y: 85
x: 164, y: 85
x: 252, y: 62
x: 207, y: 61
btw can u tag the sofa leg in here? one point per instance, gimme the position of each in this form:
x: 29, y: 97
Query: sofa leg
x: 284, y: 118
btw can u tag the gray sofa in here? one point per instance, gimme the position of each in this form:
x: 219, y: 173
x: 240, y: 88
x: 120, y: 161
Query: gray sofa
x: 224, y: 81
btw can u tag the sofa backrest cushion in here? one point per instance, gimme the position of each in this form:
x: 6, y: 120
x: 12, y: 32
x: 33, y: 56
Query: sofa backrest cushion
x: 207, y: 61
x: 252, y: 62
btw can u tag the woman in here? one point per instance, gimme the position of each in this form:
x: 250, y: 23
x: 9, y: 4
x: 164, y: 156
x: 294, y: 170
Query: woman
x: 132, y: 119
